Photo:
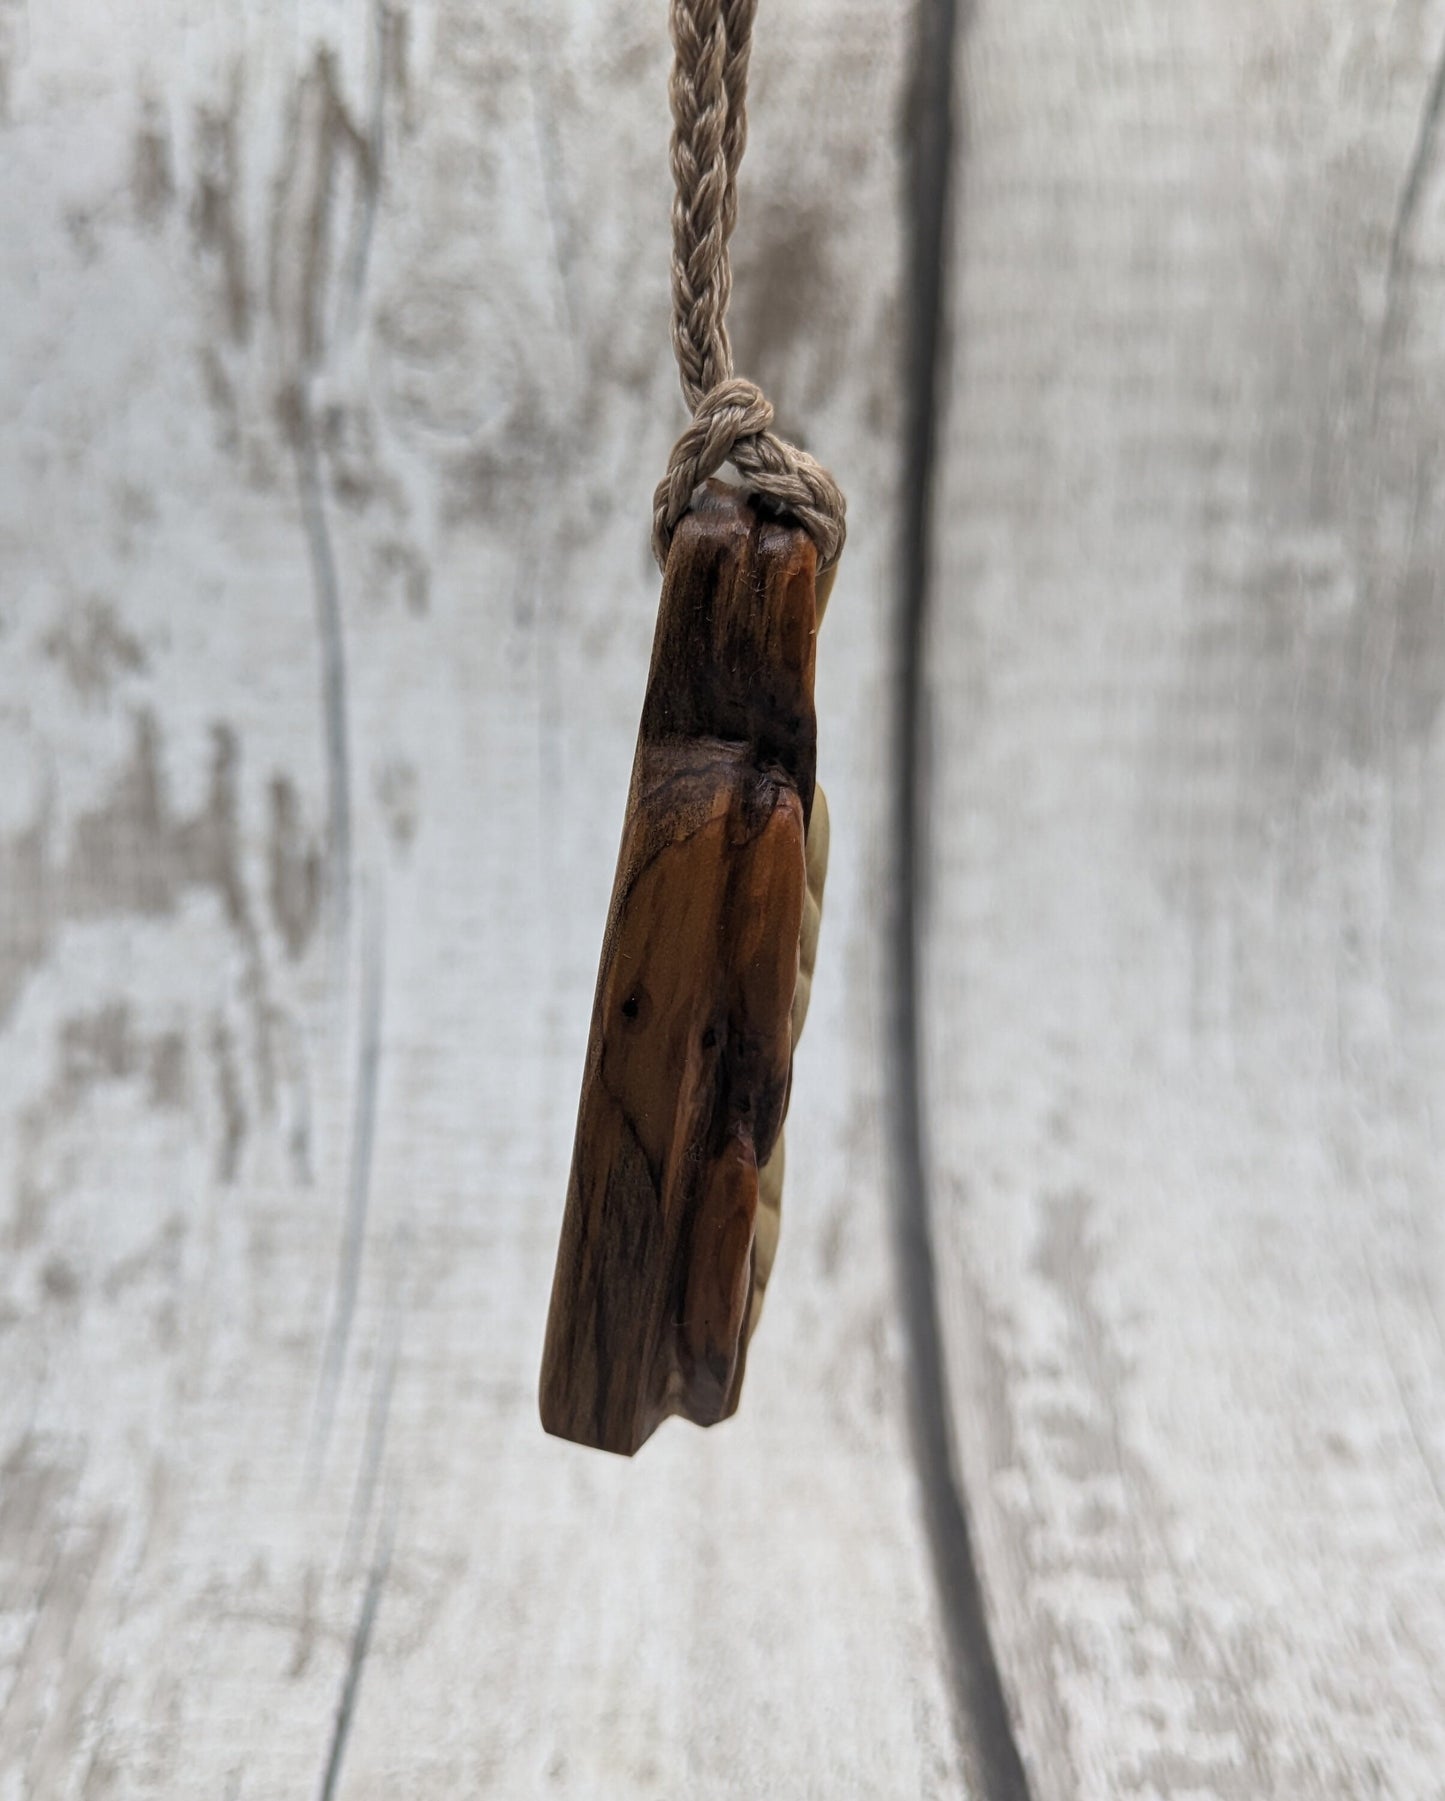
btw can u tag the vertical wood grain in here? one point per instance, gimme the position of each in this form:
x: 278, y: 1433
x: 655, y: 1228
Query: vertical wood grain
x: 336, y: 378
x: 1185, y: 951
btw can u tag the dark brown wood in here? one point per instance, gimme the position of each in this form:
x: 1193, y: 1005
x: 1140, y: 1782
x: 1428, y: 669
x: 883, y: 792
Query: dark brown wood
x: 690, y: 1055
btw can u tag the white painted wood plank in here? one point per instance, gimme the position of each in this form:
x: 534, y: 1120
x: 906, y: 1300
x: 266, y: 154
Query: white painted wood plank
x: 336, y: 380
x: 1186, y: 912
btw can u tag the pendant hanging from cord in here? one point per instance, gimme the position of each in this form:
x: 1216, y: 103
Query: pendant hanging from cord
x: 674, y: 1200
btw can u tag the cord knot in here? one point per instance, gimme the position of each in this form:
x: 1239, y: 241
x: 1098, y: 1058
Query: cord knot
x: 732, y: 419
x: 732, y: 422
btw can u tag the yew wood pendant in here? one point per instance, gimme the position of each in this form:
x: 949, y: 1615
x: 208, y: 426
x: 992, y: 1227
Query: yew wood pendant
x: 672, y: 1207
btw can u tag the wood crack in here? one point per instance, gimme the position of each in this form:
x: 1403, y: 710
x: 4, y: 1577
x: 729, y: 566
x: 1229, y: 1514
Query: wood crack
x: 358, y: 1198
x: 383, y: 1384
x: 333, y: 651
x: 1409, y: 202
x: 356, y: 1660
x: 987, y: 1745
x: 370, y: 150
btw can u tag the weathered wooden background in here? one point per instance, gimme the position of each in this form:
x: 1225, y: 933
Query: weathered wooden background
x: 334, y: 380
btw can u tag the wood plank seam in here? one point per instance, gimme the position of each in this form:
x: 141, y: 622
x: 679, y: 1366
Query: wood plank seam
x: 981, y: 1716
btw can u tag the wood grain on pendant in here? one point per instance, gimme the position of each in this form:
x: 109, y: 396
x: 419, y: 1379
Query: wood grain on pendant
x: 672, y: 1207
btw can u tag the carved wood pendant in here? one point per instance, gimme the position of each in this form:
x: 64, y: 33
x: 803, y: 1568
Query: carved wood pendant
x: 673, y: 1203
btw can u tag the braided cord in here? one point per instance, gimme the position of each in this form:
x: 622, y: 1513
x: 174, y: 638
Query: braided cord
x: 732, y: 418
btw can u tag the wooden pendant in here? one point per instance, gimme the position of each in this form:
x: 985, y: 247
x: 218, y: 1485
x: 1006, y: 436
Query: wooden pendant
x: 673, y: 1203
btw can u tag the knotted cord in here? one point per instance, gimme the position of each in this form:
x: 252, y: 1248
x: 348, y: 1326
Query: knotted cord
x: 732, y: 418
